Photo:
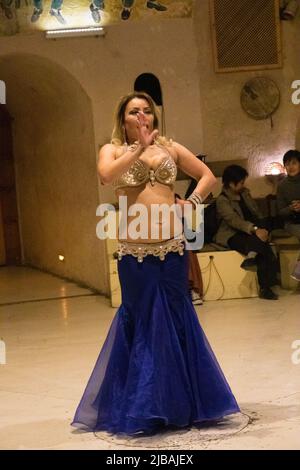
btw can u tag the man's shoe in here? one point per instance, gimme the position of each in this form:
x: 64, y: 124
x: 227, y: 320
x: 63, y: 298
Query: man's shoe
x: 125, y: 15
x: 196, y: 299
x: 95, y: 13
x: 156, y: 5
x: 36, y: 14
x: 267, y: 294
x: 249, y: 264
x: 58, y: 15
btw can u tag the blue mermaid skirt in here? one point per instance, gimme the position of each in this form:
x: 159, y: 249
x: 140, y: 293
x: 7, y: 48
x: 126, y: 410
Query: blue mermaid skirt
x: 156, y: 368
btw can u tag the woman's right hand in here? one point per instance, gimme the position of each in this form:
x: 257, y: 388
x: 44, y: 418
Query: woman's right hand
x: 145, y: 137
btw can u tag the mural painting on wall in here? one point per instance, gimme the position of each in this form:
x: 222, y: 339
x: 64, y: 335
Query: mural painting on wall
x: 26, y: 16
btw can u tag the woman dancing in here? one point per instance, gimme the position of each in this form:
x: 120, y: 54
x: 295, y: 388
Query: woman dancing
x: 156, y: 369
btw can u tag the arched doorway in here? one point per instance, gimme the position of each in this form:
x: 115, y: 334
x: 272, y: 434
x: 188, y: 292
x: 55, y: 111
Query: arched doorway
x: 10, y: 251
x: 55, y: 164
x: 149, y: 83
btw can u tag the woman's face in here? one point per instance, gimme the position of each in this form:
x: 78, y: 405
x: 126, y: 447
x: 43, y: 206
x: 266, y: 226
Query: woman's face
x: 292, y: 167
x: 130, y: 117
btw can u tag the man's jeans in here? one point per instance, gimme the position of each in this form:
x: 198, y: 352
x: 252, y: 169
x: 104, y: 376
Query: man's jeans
x: 55, y: 4
x: 293, y: 229
x: 98, y: 4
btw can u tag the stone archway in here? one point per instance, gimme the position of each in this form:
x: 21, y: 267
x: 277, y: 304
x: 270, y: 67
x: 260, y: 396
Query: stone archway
x: 56, y: 180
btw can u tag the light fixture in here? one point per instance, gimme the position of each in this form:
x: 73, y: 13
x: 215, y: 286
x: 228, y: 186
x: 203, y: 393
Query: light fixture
x: 274, y: 168
x: 274, y: 173
x: 61, y: 257
x: 289, y: 10
x: 2, y: 92
x: 75, y: 32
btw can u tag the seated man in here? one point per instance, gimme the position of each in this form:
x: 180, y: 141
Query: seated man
x: 288, y: 199
x: 242, y: 228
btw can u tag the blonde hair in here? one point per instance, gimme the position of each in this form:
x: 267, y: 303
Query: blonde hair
x: 118, y: 135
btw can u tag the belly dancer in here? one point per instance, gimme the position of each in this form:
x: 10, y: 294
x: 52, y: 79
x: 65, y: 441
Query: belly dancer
x: 156, y: 369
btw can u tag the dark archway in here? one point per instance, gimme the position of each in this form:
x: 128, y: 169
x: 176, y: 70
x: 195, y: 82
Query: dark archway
x: 10, y: 248
x: 149, y: 83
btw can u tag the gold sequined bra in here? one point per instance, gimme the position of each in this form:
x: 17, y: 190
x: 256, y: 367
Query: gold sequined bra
x: 139, y: 173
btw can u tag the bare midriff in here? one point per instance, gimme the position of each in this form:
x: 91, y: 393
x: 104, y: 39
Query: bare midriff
x: 151, y: 225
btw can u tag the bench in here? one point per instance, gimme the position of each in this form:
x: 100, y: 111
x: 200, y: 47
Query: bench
x: 221, y: 273
x: 287, y: 248
x: 223, y: 278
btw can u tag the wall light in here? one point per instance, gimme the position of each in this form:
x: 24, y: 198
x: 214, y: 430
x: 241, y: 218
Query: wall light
x: 274, y: 173
x: 274, y: 168
x: 289, y: 10
x: 2, y: 92
x: 61, y: 257
x: 75, y: 32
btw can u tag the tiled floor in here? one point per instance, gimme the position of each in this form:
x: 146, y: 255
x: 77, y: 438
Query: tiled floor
x: 53, y: 331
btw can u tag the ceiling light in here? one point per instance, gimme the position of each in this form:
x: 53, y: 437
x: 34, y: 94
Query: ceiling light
x: 75, y: 32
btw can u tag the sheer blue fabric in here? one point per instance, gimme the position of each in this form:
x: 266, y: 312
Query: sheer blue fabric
x: 156, y: 368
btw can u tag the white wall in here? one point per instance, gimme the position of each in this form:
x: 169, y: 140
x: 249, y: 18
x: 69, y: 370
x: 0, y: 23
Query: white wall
x: 84, y: 78
x: 43, y: 79
x: 228, y: 132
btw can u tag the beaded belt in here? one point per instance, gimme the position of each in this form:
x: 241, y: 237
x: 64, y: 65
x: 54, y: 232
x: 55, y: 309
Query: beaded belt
x: 159, y: 249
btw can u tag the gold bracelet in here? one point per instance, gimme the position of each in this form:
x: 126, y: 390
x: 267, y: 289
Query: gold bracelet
x: 195, y: 199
